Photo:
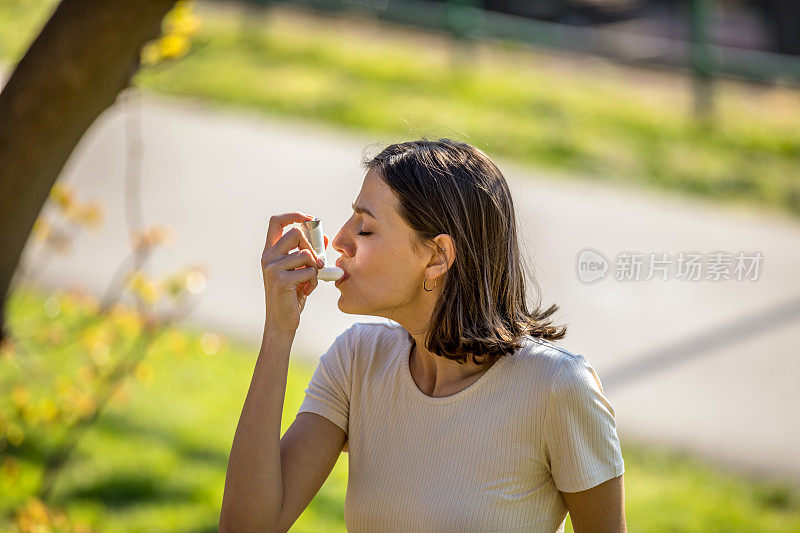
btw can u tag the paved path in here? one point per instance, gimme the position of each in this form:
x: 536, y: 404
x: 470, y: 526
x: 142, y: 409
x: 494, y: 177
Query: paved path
x: 710, y: 366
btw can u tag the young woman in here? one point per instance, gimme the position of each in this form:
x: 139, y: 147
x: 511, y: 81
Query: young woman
x: 459, y: 416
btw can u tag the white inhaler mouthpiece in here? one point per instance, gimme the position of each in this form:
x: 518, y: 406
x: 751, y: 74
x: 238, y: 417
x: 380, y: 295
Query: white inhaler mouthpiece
x: 313, y: 232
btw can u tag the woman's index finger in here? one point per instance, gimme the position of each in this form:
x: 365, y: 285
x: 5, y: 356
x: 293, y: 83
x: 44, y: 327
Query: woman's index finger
x: 278, y: 222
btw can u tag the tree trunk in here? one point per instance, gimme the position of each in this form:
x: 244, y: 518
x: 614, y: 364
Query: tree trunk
x: 83, y: 57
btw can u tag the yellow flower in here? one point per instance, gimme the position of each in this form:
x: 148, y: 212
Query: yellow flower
x: 147, y: 290
x: 100, y: 353
x: 62, y: 195
x: 35, y: 516
x: 47, y: 410
x: 155, y: 234
x: 55, y: 334
x: 86, y: 374
x: 176, y: 344
x: 41, y: 229
x: 144, y: 372
x: 85, y: 404
x: 63, y: 383
x: 89, y: 214
x: 68, y: 399
x: 20, y: 396
x: 120, y: 396
x: 180, y: 10
x: 127, y: 321
x: 97, y: 339
x: 68, y: 305
x: 181, y: 20
x: 173, y: 45
x: 30, y: 415
x: 189, y: 25
x: 177, y: 26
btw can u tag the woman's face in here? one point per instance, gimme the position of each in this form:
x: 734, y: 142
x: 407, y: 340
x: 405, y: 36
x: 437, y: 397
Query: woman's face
x: 385, y: 274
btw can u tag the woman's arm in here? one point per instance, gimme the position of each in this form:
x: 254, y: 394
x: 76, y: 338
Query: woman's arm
x: 266, y: 472
x: 270, y: 481
x: 599, y: 509
x: 253, y: 494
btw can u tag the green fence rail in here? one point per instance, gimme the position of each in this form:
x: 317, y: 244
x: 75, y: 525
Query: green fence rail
x: 465, y: 18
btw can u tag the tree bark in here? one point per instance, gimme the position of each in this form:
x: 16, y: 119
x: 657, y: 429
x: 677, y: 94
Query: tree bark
x: 87, y: 52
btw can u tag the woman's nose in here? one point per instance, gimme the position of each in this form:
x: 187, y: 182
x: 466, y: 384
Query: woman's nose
x: 340, y: 245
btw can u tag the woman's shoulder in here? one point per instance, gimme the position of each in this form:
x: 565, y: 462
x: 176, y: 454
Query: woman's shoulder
x: 539, y: 347
x: 543, y: 358
x: 375, y: 332
x: 374, y: 338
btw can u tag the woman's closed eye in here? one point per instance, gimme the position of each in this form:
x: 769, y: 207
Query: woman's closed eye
x: 364, y: 233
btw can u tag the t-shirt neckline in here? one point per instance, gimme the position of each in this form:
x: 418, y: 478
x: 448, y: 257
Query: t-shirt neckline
x: 405, y: 361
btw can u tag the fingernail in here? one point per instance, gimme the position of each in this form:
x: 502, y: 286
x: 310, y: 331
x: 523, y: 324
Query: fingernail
x: 320, y: 263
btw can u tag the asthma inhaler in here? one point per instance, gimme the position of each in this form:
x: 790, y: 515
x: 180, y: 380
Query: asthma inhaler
x: 313, y: 232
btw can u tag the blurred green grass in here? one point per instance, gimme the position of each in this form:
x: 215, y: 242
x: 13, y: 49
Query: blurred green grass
x: 158, y: 463
x: 571, y: 117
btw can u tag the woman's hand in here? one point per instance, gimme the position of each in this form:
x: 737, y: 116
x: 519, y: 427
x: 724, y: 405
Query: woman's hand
x: 288, y: 277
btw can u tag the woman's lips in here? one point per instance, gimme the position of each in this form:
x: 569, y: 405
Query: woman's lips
x: 342, y: 279
x: 338, y: 263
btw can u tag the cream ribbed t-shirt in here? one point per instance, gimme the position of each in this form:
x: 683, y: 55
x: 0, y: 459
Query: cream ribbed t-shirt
x: 492, y: 457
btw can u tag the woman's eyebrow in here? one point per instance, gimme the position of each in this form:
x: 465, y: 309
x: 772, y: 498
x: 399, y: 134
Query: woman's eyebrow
x: 361, y: 210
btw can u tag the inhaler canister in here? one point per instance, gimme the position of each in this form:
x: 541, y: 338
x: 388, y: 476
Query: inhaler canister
x: 313, y: 232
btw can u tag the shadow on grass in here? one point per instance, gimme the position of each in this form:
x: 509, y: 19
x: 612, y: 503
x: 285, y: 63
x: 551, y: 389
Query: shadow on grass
x: 126, y: 488
x: 35, y: 450
x: 123, y: 490
x: 186, y: 448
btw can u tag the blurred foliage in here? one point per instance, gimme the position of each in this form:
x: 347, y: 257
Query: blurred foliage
x: 156, y: 457
x: 177, y: 27
x: 63, y: 367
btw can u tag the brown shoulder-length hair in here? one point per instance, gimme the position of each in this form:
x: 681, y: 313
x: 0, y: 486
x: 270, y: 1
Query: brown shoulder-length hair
x: 446, y: 186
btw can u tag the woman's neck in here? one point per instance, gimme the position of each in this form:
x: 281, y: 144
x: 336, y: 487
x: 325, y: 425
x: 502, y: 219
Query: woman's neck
x: 439, y: 376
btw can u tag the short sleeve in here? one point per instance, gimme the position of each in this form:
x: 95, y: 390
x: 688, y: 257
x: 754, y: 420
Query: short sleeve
x: 580, y: 440
x: 328, y: 392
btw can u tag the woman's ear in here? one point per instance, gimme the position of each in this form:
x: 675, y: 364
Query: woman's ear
x: 445, y: 252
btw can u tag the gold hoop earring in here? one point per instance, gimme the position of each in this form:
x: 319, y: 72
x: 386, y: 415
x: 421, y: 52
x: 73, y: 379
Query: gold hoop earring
x: 434, y: 281
x: 434, y: 284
